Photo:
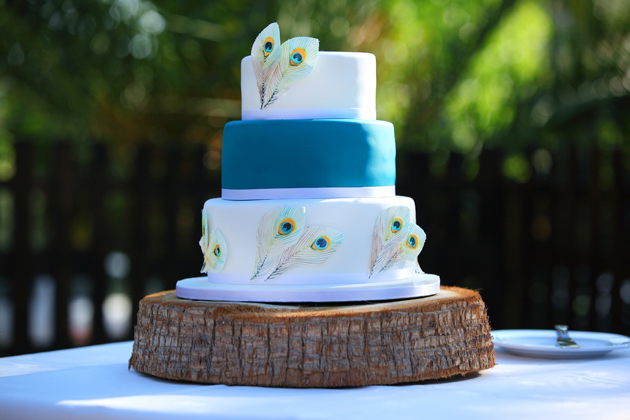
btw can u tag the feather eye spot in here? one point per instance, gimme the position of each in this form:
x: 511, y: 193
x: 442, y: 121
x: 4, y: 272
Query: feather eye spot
x: 322, y: 243
x: 268, y: 46
x: 397, y: 224
x: 412, y: 241
x: 217, y: 250
x: 286, y: 226
x: 298, y: 56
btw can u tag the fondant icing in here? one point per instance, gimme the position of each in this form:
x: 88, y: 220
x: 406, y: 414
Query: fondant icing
x: 308, y: 154
x: 341, y: 85
x: 355, y: 218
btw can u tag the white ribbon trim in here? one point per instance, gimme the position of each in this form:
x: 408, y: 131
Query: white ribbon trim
x: 283, y: 193
x: 308, y: 114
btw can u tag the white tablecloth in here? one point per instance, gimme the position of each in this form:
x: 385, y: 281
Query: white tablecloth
x: 94, y: 383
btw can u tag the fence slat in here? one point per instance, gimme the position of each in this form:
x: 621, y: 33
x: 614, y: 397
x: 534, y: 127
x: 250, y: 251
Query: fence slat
x: 171, y: 201
x: 140, y: 188
x: 62, y: 211
x: 21, y: 257
x: 491, y: 249
x: 96, y: 191
x: 621, y: 248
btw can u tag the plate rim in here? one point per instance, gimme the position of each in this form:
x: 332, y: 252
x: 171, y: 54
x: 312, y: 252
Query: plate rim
x: 607, y: 337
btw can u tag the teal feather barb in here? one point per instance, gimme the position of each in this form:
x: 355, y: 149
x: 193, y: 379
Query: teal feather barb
x: 315, y: 246
x: 390, y: 229
x: 212, y: 245
x: 278, y: 229
x: 266, y: 53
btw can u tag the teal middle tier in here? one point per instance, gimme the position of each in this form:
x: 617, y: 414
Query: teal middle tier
x: 308, y: 154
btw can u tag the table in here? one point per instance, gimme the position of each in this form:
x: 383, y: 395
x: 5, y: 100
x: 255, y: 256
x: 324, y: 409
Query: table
x: 94, y: 383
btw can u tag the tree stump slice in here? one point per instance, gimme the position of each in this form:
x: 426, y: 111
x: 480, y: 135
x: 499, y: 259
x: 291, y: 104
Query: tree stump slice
x: 313, y: 345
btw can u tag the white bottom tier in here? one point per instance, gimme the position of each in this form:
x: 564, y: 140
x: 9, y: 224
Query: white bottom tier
x: 200, y: 288
x: 240, y: 231
x: 355, y: 218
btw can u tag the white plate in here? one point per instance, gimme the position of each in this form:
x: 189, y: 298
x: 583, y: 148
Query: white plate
x: 542, y: 343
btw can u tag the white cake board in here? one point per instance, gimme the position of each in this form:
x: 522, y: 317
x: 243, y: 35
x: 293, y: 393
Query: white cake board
x: 199, y: 288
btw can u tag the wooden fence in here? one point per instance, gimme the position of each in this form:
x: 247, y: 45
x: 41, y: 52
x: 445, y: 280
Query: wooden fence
x: 551, y: 249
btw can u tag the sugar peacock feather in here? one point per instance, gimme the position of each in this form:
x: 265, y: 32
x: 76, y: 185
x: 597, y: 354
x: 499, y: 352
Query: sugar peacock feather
x: 212, y: 245
x: 315, y: 246
x: 298, y: 58
x: 408, y: 250
x: 278, y: 229
x: 266, y: 53
x: 390, y: 229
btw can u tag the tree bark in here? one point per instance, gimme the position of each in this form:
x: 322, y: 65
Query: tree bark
x: 313, y: 345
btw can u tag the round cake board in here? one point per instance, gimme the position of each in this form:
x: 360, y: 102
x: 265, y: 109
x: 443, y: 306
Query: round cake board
x: 416, y: 286
x: 313, y: 345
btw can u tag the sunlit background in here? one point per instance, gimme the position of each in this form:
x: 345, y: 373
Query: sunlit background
x: 512, y: 125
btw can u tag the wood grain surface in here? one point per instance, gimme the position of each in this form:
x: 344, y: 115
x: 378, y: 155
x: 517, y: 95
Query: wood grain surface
x: 313, y: 345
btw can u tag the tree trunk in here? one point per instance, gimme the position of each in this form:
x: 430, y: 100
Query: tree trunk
x: 313, y: 345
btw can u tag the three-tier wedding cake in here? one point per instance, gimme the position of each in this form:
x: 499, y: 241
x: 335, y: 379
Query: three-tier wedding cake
x: 308, y: 211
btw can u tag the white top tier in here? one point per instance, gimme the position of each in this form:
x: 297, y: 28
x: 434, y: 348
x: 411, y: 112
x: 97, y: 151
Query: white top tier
x: 341, y: 85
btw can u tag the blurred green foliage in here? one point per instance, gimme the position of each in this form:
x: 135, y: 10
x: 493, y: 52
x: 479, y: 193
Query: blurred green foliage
x: 510, y: 68
x: 452, y: 74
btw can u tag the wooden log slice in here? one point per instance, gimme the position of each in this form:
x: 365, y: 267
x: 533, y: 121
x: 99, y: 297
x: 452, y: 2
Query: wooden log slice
x: 313, y: 345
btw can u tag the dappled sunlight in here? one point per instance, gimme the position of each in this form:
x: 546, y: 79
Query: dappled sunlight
x: 511, y: 67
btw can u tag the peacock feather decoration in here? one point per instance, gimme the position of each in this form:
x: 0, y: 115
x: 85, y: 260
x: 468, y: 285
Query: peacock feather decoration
x: 395, y: 239
x: 284, y: 243
x: 406, y: 250
x: 278, y: 66
x: 315, y: 246
x: 278, y: 229
x: 212, y: 245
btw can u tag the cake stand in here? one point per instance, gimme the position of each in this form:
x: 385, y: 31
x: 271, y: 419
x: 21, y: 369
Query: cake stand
x: 313, y: 344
